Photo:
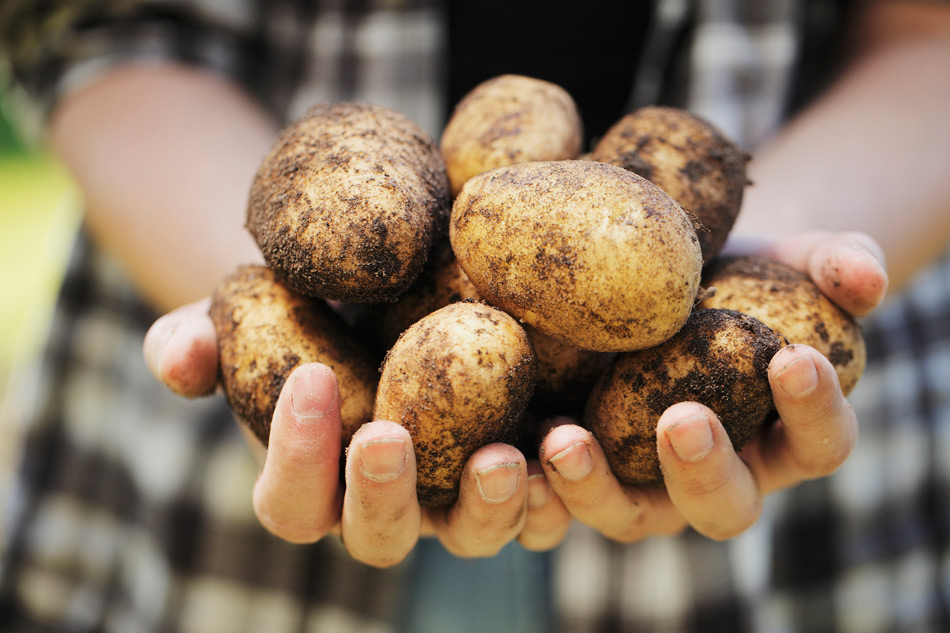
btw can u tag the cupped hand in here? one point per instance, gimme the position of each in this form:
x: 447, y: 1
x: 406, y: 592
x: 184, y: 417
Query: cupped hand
x: 708, y: 485
x: 299, y: 496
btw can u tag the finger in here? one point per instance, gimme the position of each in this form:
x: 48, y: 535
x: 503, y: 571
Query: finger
x: 181, y: 350
x: 707, y: 482
x: 381, y: 515
x: 847, y: 267
x: 297, y: 496
x: 547, y: 521
x: 492, y: 503
x: 817, y: 428
x: 578, y: 472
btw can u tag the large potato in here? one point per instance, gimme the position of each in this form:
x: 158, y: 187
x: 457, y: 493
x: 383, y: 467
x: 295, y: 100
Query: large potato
x: 348, y: 203
x: 720, y: 359
x: 265, y: 330
x: 458, y: 379
x: 790, y: 303
x: 506, y: 120
x: 586, y: 252
x: 688, y: 158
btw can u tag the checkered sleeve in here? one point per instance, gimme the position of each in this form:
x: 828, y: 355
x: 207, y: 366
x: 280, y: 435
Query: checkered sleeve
x: 57, y: 47
x: 288, y: 54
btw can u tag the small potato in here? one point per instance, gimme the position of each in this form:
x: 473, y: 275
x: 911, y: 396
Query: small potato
x: 790, y: 303
x: 441, y: 282
x: 720, y: 359
x: 565, y: 372
x: 588, y: 253
x: 348, y: 203
x: 688, y: 158
x: 566, y: 375
x: 506, y: 120
x: 458, y: 379
x: 265, y: 330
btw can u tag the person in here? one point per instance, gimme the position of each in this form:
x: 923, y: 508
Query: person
x: 132, y: 509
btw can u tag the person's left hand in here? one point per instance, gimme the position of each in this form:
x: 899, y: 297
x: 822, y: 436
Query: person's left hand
x: 707, y: 484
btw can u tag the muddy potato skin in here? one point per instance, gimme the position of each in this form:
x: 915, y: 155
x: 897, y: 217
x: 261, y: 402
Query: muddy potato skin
x: 348, y: 202
x: 265, y: 330
x: 720, y: 359
x: 687, y: 157
x: 458, y: 379
x: 566, y: 375
x: 441, y: 282
x: 588, y: 253
x: 506, y: 120
x: 788, y: 301
x: 565, y: 372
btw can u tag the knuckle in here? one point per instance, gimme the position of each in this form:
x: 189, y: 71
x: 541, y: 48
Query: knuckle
x: 288, y: 522
x: 826, y: 459
x: 290, y: 531
x: 381, y: 558
x: 737, y: 525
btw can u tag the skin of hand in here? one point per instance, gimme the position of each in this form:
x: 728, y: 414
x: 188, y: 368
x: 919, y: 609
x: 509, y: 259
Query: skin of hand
x: 504, y: 496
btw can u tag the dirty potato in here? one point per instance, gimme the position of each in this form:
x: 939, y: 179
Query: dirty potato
x: 565, y: 372
x: 789, y: 302
x: 441, y: 282
x: 510, y: 119
x: 588, y: 253
x: 566, y: 375
x: 688, y: 158
x: 348, y: 202
x: 265, y: 330
x: 720, y: 359
x: 458, y: 379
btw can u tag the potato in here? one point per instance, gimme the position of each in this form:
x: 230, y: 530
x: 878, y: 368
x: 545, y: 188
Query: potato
x: 441, y: 282
x: 566, y: 375
x: 588, y: 253
x: 458, y: 379
x: 565, y: 372
x: 348, y: 203
x: 720, y: 359
x: 506, y: 120
x: 265, y: 330
x: 688, y: 158
x: 788, y: 301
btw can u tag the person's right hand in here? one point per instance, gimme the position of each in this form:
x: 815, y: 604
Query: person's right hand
x: 299, y: 496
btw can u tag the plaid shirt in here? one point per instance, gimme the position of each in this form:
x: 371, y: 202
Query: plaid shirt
x: 132, y: 510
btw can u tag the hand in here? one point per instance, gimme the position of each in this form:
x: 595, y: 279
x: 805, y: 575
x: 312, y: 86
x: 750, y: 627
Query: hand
x: 816, y: 430
x: 299, y: 497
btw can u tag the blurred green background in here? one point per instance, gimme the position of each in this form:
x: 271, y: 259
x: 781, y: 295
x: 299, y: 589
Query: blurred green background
x: 38, y: 218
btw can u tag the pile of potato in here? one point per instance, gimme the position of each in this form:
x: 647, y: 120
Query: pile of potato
x: 504, y: 278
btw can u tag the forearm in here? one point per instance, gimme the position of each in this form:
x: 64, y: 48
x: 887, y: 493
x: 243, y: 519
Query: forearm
x: 164, y: 155
x: 872, y: 155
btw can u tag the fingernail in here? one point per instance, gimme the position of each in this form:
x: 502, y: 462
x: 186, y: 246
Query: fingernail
x: 574, y: 462
x: 383, y: 459
x: 691, y: 438
x: 538, y: 491
x: 498, y: 483
x: 312, y: 395
x: 799, y: 377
